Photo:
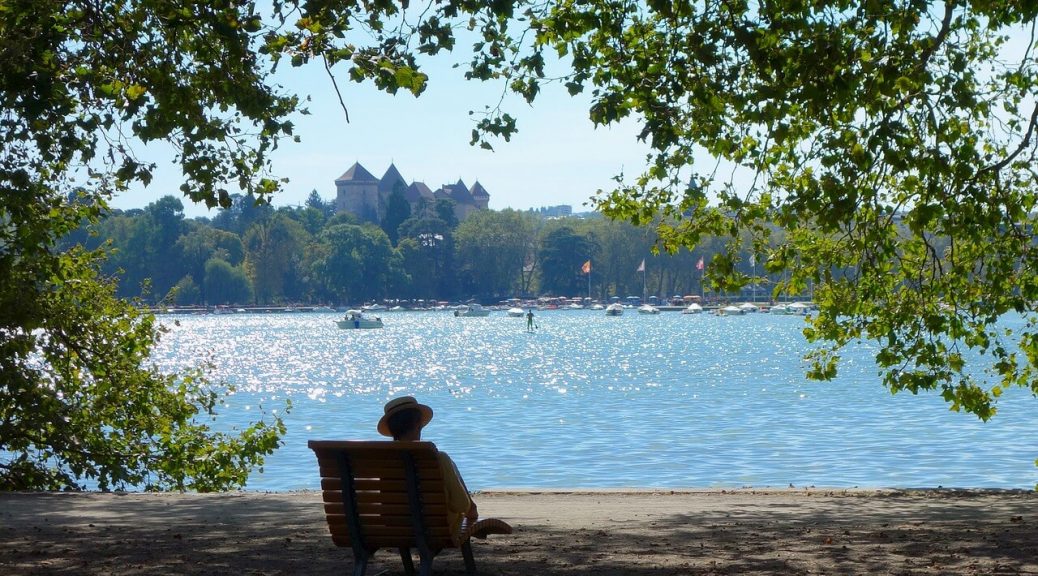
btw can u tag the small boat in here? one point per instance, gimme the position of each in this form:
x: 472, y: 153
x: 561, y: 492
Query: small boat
x: 357, y: 320
x: 516, y: 312
x: 615, y: 309
x: 748, y: 307
x: 693, y: 308
x: 471, y: 311
x: 648, y: 309
x: 730, y: 311
x: 323, y: 309
x: 597, y: 306
x: 373, y: 308
x: 798, y: 308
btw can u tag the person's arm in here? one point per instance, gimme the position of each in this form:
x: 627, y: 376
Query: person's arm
x: 458, y: 498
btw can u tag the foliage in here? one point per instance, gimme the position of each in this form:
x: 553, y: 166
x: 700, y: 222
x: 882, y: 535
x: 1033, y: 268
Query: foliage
x: 271, y: 262
x: 492, y: 249
x: 226, y: 284
x: 80, y: 404
x: 80, y: 84
x: 563, y: 252
x: 397, y: 211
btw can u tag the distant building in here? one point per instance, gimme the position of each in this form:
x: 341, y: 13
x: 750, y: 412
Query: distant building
x: 560, y: 211
x: 360, y: 193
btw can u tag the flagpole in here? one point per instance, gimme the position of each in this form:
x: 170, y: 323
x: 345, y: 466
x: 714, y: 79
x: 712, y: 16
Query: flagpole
x: 753, y: 263
x: 644, y: 282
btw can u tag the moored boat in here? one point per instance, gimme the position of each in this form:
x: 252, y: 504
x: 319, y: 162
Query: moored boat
x: 648, y: 309
x: 692, y: 308
x: 357, y: 320
x: 615, y: 309
x: 471, y: 311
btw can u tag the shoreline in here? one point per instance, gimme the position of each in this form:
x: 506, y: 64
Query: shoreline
x: 603, y: 532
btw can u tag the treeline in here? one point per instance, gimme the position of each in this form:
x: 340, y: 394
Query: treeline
x: 256, y: 254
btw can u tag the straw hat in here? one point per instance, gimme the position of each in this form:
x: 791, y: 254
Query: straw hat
x: 399, y: 404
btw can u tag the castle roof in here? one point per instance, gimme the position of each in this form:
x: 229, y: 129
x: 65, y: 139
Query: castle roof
x: 416, y: 191
x: 458, y: 192
x: 356, y: 173
x: 478, y: 191
x: 390, y: 180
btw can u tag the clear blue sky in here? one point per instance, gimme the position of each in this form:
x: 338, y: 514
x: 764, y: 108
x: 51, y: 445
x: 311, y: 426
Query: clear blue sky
x: 558, y: 156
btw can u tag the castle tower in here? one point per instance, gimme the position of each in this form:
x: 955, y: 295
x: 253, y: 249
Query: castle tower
x: 390, y: 180
x: 356, y: 192
x: 480, y: 196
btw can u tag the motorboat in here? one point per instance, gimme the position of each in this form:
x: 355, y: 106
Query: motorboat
x: 730, y: 311
x: 358, y: 320
x: 692, y: 308
x: 648, y: 309
x: 615, y: 309
x: 749, y: 308
x: 798, y: 308
x: 471, y: 311
x: 516, y: 312
x: 597, y: 306
x: 373, y: 308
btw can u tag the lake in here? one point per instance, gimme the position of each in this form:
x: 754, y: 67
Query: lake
x: 590, y: 401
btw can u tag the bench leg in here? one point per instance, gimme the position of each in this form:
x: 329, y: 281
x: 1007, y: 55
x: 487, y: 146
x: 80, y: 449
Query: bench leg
x: 405, y: 557
x: 360, y: 564
x: 470, y: 562
x: 425, y: 565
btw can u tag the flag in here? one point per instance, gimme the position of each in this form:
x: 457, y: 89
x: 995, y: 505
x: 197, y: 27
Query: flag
x: 641, y: 267
x: 586, y: 268
x: 699, y: 265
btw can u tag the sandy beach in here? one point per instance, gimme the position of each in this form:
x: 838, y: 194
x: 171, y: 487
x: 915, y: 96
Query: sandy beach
x: 790, y: 531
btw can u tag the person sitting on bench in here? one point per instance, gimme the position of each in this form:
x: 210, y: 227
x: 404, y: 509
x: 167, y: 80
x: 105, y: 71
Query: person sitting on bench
x: 403, y: 420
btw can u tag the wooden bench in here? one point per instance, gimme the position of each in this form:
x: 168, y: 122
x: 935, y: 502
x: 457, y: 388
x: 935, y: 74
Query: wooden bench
x: 381, y: 494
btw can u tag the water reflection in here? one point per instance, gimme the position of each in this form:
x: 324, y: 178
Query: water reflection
x: 682, y: 401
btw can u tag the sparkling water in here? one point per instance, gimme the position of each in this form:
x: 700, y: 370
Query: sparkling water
x: 590, y: 401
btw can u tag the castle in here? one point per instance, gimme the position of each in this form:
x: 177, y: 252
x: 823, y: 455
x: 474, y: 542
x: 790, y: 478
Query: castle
x: 360, y: 193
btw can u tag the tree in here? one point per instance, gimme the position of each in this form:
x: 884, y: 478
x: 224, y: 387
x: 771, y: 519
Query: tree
x: 493, y: 247
x: 186, y: 293
x: 398, y: 209
x: 80, y: 81
x: 202, y: 243
x: 357, y: 262
x: 427, y: 247
x: 562, y: 257
x: 225, y: 283
x: 273, y: 255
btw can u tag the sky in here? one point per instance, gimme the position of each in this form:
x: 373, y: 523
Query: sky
x: 558, y: 156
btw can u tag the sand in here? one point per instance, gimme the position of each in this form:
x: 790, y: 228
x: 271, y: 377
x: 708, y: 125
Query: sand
x: 794, y: 531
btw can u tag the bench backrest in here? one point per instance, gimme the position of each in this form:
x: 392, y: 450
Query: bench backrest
x: 388, y: 493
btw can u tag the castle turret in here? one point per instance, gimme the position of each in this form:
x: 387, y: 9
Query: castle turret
x: 356, y: 192
x: 480, y: 196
